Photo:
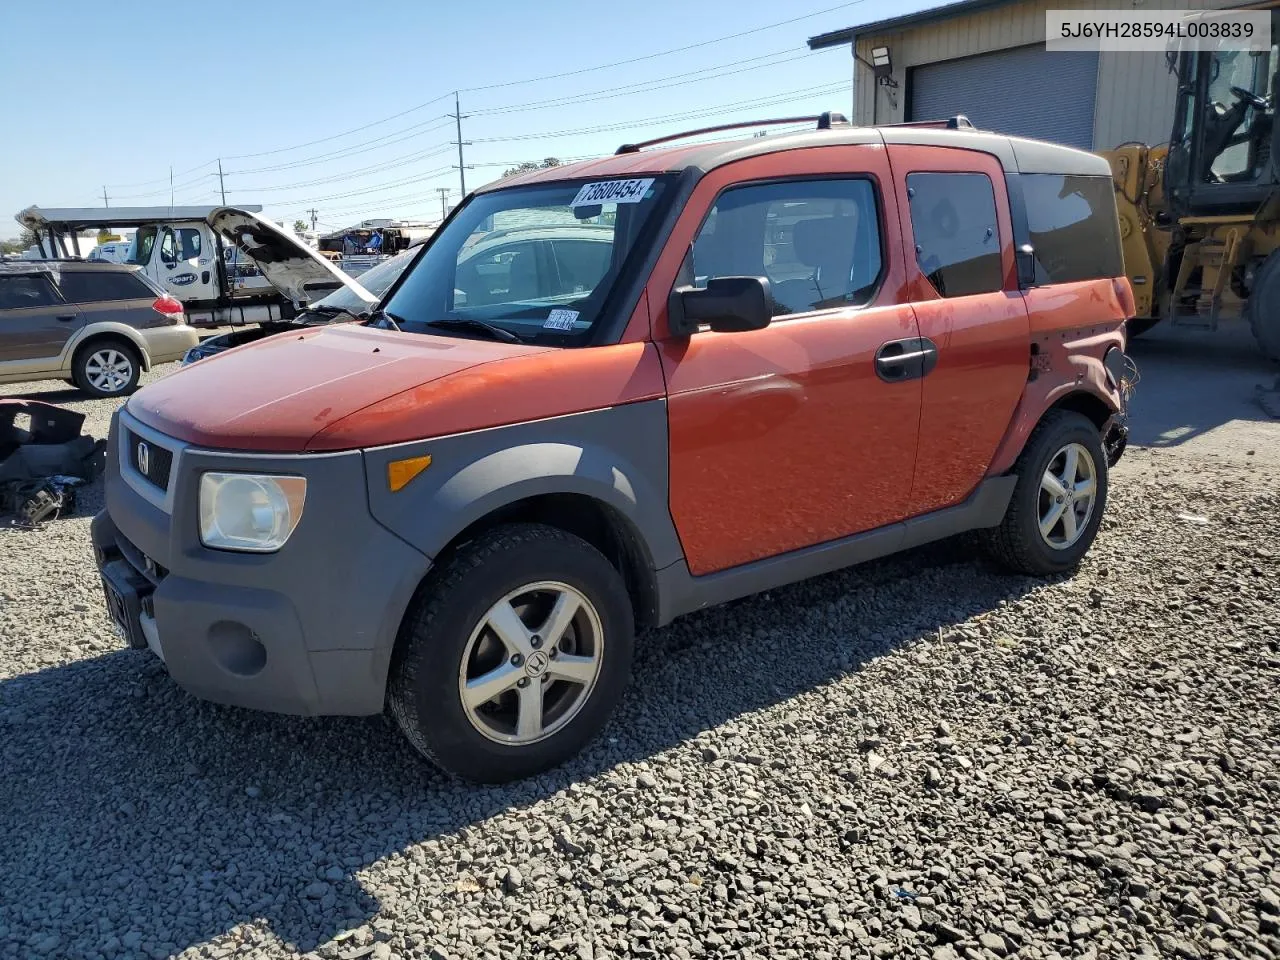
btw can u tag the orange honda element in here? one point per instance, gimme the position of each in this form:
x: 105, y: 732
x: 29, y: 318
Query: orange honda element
x: 611, y: 393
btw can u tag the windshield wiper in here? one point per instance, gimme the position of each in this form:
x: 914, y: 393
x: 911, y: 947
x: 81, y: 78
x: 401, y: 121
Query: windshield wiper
x: 479, y: 326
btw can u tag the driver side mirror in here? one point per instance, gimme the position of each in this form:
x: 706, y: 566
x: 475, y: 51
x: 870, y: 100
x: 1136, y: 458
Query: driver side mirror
x: 728, y: 305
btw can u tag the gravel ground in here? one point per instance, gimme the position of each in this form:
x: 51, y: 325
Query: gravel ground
x: 920, y: 757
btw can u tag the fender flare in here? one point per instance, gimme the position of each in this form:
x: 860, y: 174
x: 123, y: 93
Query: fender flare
x: 109, y: 328
x: 437, y: 514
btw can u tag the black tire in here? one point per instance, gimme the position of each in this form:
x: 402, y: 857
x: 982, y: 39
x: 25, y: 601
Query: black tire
x: 423, y: 692
x: 1017, y: 543
x: 99, y: 350
x: 1264, y: 307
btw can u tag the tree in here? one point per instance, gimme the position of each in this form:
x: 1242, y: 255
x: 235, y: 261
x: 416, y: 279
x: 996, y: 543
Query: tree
x: 299, y: 226
x: 20, y: 243
x: 528, y: 165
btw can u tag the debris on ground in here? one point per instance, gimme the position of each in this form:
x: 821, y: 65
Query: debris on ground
x: 43, y: 458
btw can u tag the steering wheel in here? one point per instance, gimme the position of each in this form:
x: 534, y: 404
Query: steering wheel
x: 1247, y: 96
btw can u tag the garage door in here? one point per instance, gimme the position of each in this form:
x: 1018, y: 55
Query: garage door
x: 1026, y: 92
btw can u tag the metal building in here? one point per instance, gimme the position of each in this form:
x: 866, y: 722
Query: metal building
x: 986, y: 59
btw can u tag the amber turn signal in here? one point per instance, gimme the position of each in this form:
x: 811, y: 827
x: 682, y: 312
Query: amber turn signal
x: 400, y: 472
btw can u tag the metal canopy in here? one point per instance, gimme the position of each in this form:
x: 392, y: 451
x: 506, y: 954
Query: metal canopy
x: 74, y: 218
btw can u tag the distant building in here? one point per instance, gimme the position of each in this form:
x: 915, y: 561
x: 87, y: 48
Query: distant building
x: 986, y: 59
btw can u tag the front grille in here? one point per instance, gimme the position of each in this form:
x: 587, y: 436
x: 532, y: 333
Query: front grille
x: 149, y: 459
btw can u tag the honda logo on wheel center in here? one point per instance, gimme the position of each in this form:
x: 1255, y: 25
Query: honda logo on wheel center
x: 537, y: 663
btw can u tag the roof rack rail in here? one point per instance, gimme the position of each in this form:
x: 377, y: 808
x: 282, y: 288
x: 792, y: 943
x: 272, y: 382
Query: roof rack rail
x: 825, y: 121
x: 958, y: 122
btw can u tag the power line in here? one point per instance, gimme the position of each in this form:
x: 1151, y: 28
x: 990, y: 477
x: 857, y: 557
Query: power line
x: 391, y: 138
x: 664, y: 53
x: 348, y: 174
x: 496, y: 86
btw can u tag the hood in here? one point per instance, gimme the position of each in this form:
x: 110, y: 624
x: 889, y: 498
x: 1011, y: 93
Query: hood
x: 289, y: 265
x: 277, y: 394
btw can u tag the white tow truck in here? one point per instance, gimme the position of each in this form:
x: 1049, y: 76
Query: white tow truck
x: 227, y: 265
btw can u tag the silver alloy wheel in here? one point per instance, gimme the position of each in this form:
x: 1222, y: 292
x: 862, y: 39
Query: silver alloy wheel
x: 109, y: 370
x: 1068, y: 491
x: 531, y: 663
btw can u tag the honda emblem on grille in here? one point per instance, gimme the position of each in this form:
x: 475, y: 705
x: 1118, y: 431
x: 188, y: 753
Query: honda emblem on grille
x: 144, y: 457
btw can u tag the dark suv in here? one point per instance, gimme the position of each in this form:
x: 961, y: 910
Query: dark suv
x: 93, y: 323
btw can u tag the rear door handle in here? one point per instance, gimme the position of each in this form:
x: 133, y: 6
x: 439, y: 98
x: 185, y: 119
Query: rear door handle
x: 908, y: 359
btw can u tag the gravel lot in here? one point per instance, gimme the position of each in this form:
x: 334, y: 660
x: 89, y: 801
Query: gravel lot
x: 919, y: 757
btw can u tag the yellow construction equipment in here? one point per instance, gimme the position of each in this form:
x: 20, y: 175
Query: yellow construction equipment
x: 1200, y: 215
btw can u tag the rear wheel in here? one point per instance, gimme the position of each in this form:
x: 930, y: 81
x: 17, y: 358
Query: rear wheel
x: 1264, y: 307
x: 1059, y: 498
x: 107, y: 368
x: 514, y: 656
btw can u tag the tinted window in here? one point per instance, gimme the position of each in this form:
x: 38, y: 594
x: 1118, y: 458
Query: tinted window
x: 86, y: 287
x: 1073, y: 227
x: 29, y: 290
x: 953, y: 216
x: 816, y: 241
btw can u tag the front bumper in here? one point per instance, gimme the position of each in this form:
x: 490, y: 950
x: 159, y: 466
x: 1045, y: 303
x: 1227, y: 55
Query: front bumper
x: 306, y: 630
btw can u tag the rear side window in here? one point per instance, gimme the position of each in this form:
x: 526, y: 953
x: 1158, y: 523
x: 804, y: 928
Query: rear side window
x: 1073, y: 227
x: 94, y: 287
x: 953, y: 217
x: 26, y: 291
x: 816, y: 241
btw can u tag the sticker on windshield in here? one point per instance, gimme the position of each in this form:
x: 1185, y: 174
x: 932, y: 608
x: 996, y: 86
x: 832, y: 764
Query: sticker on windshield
x: 560, y: 320
x: 612, y: 191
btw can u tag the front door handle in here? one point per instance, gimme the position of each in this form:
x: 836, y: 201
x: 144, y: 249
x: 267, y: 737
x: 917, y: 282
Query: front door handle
x: 908, y: 359
x: 65, y: 317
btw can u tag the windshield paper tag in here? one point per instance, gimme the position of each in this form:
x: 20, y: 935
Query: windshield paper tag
x: 560, y: 320
x: 612, y: 191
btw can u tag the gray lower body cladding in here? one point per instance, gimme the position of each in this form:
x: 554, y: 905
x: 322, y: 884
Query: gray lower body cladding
x: 311, y: 629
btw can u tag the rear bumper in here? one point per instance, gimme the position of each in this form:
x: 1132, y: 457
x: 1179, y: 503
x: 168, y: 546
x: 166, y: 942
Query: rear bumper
x: 165, y: 344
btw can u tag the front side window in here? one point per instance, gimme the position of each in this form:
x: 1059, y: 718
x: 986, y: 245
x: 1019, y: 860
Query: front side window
x: 511, y: 259
x: 953, y: 217
x: 1073, y: 227
x: 24, y: 291
x: 817, y: 242
x: 188, y: 243
x: 169, y: 247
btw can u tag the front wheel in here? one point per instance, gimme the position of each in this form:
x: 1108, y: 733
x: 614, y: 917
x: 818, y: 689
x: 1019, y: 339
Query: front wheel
x: 514, y: 656
x: 1059, y: 498
x: 1263, y: 306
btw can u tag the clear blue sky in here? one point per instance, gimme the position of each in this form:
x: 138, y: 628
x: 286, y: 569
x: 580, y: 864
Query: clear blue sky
x: 111, y: 94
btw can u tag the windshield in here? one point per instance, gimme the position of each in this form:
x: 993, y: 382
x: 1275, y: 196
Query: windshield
x: 537, y: 261
x: 376, y: 280
x: 144, y: 240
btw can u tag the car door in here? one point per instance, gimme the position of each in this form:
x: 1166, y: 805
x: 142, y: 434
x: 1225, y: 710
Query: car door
x: 964, y: 287
x: 187, y: 269
x: 792, y: 435
x: 35, y: 321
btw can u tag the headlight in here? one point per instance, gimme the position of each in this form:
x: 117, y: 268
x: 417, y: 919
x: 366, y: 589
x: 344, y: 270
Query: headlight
x: 251, y: 512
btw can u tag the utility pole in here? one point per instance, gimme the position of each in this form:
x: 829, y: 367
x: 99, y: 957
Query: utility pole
x: 105, y: 201
x: 313, y: 211
x: 222, y: 187
x: 171, y: 186
x: 457, y: 117
x: 444, y: 201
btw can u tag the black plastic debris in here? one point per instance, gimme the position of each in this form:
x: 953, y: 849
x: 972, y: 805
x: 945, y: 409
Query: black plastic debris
x: 43, y: 459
